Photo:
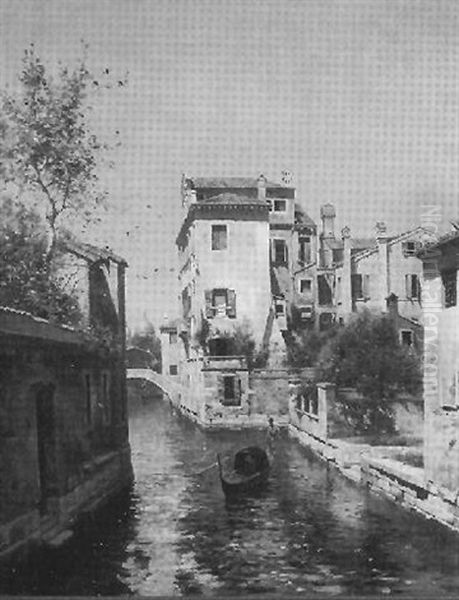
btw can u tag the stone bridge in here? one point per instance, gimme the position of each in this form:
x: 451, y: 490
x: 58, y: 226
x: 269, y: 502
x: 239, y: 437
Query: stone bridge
x: 165, y: 383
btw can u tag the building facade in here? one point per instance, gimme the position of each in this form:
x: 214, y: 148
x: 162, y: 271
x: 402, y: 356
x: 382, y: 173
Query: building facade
x: 63, y: 410
x: 441, y: 361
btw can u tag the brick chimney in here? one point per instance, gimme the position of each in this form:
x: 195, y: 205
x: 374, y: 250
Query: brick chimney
x: 328, y: 214
x: 383, y: 268
x: 346, y: 286
x: 261, y: 185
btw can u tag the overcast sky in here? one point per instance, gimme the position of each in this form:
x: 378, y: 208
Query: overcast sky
x: 358, y: 99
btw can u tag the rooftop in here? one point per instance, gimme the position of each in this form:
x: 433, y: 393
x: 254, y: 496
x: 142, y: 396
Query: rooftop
x: 19, y: 322
x: 228, y: 182
x: 229, y: 198
x: 90, y: 252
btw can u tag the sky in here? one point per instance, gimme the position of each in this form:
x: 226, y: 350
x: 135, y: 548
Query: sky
x: 358, y: 99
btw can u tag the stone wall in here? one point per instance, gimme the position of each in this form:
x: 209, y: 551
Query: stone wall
x: 63, y: 430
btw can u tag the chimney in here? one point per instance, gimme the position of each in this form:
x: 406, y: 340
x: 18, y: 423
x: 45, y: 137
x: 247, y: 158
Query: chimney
x: 346, y: 285
x: 261, y: 185
x: 381, y: 230
x: 383, y: 270
x: 328, y: 214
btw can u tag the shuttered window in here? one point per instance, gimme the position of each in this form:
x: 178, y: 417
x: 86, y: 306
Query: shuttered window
x: 413, y: 287
x: 220, y: 301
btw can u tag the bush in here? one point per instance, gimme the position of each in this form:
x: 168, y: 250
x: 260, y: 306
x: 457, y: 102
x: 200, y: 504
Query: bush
x: 366, y: 355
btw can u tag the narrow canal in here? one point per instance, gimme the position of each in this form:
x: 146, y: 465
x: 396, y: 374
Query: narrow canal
x: 311, y: 531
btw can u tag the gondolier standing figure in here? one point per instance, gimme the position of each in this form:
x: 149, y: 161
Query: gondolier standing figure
x: 271, y: 436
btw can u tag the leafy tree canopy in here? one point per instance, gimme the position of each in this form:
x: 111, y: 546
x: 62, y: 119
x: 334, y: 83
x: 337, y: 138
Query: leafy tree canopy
x: 28, y: 281
x: 49, y: 150
x: 366, y: 355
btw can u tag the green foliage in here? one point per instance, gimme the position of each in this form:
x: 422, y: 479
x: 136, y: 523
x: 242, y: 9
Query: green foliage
x: 241, y: 343
x: 202, y: 333
x: 28, y: 281
x: 148, y: 340
x: 48, y: 149
x: 304, y: 348
x: 366, y: 355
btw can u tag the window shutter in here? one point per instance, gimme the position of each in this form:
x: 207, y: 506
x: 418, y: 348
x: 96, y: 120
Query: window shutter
x: 366, y: 286
x: 418, y: 287
x: 231, y: 307
x: 209, y: 308
x: 408, y: 285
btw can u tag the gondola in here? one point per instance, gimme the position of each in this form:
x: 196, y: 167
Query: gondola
x: 248, y: 471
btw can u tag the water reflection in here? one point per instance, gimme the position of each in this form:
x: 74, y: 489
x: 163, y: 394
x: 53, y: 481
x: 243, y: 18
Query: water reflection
x: 309, y: 531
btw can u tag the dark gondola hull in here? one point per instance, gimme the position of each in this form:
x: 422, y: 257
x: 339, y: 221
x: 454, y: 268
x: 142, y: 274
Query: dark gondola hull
x: 235, y: 481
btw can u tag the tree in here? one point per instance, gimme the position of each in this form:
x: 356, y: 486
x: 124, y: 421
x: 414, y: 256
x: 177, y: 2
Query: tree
x: 28, y: 281
x: 367, y: 355
x: 48, y: 148
x: 148, y: 340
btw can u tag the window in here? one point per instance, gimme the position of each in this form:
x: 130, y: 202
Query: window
x: 305, y: 286
x: 173, y: 337
x: 360, y: 286
x: 409, y: 248
x: 306, y: 313
x: 220, y: 301
x: 173, y: 369
x: 280, y: 251
x: 413, y: 287
x: 231, y: 391
x: 304, y: 249
x: 406, y: 337
x: 449, y: 279
x: 219, y: 237
x: 280, y: 205
x: 279, y: 309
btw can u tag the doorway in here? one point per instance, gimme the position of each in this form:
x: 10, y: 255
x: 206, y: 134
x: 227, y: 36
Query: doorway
x: 46, y: 443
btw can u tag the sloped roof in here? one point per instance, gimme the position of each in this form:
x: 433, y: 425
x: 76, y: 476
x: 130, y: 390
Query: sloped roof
x: 228, y: 182
x: 90, y: 252
x: 357, y: 244
x: 302, y: 217
x: 393, y: 239
x: 229, y: 198
x: 19, y: 322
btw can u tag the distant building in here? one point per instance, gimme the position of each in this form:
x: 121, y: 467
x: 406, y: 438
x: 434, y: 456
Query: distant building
x: 362, y: 273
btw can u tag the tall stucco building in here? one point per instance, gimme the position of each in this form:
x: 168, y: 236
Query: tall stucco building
x: 224, y: 256
x: 441, y: 361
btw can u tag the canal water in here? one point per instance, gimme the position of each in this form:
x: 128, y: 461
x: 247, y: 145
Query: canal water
x: 311, y: 531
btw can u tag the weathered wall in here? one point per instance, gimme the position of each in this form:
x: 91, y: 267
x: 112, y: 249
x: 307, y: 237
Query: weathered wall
x: 243, y: 267
x: 382, y: 284
x: 62, y: 411
x: 270, y: 393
